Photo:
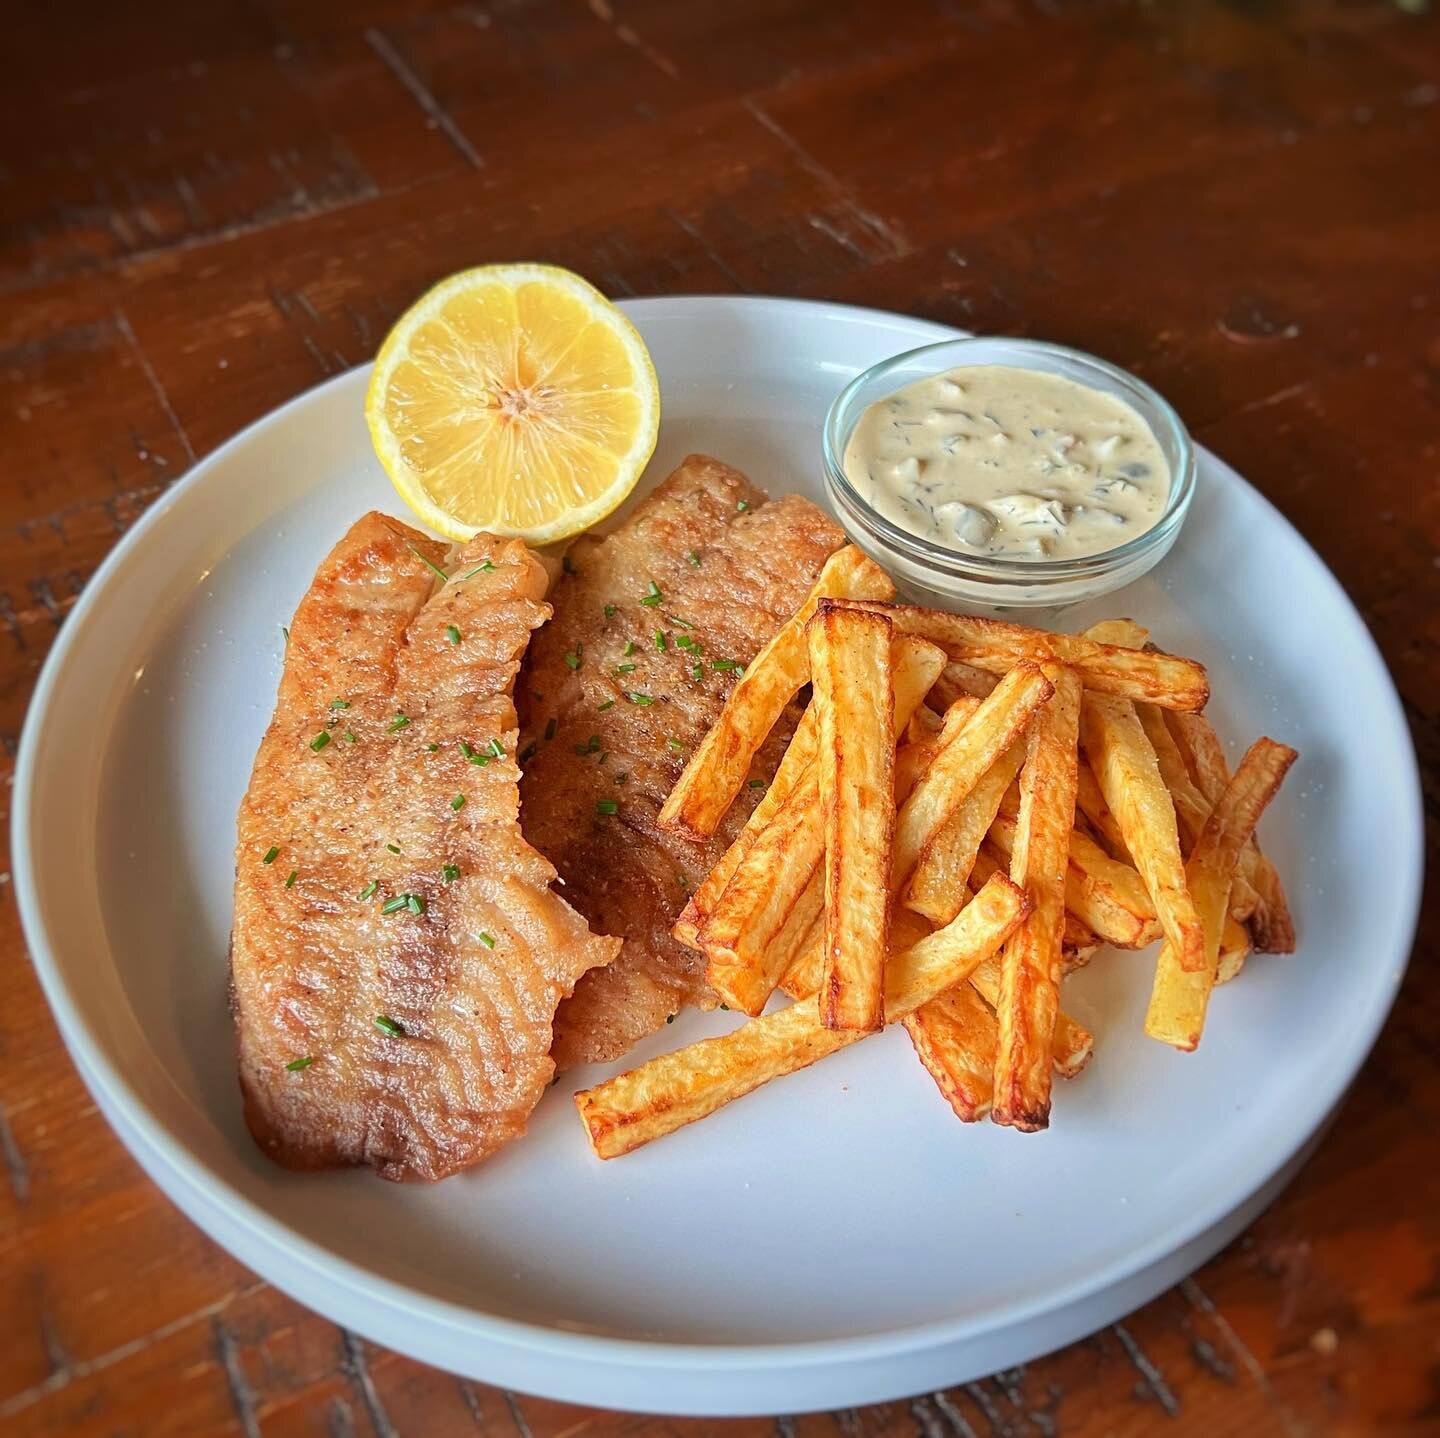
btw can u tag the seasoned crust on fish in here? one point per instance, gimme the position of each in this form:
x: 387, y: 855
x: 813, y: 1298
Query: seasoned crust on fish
x: 403, y: 684
x: 727, y: 568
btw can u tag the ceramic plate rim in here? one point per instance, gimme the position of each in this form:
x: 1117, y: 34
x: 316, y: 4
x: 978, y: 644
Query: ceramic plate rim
x: 183, y: 1168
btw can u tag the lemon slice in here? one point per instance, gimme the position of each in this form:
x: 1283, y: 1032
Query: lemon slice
x: 515, y: 399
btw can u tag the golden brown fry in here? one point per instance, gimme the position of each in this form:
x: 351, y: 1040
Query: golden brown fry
x: 1073, y: 1043
x: 679, y: 1088
x: 1192, y: 808
x: 954, y: 1037
x: 799, y: 754
x: 936, y: 888
x: 1103, y: 895
x: 854, y: 697
x: 1181, y: 994
x: 1091, y: 803
x: 997, y: 646
x: 967, y: 748
x: 718, y: 768
x: 1030, y: 966
x: 1234, y: 950
x: 1129, y: 777
x: 1078, y: 937
x: 1124, y: 633
x: 1272, y: 930
x: 739, y: 936
x: 959, y: 679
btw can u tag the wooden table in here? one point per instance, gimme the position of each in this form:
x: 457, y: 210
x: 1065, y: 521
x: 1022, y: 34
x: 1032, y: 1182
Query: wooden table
x: 208, y: 208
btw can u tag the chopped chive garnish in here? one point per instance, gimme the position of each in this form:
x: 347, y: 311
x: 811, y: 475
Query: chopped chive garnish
x: 742, y: 506
x: 695, y: 558
x: 451, y: 873
x: 660, y: 641
x: 726, y: 664
x: 350, y: 736
x: 549, y: 728
x: 567, y: 564
x: 487, y: 939
x: 637, y: 698
x: 481, y: 760
x: 387, y: 1025
x: 339, y: 703
x: 433, y: 748
x: 320, y: 741
x: 295, y: 1065
x: 757, y: 783
x: 497, y: 749
x: 394, y: 848
x: 400, y: 721
x: 697, y: 671
x: 573, y: 661
x: 674, y: 746
x: 606, y: 806
x: 485, y: 568
x: 622, y: 778
x: 608, y: 704
x: 652, y: 596
x: 676, y: 619
x: 393, y: 906
x: 291, y: 877
x: 686, y: 642
x: 415, y: 903
x: 370, y: 890
x: 609, y: 611
x: 286, y: 632
x: 629, y: 647
x: 527, y: 751
x: 452, y: 633
x: 725, y: 1008
x: 669, y: 1018
x: 458, y: 802
x: 271, y: 854
x: 591, y: 745
x: 624, y: 668
x: 429, y: 564
x: 465, y: 748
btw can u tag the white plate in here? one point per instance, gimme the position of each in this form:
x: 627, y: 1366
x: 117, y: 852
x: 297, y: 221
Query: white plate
x: 835, y: 1238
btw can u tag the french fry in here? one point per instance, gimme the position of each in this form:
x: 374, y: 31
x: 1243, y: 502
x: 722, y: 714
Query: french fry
x: 961, y: 679
x: 1129, y: 777
x: 997, y: 646
x: 1125, y: 633
x: 1234, y: 950
x: 669, y: 1092
x: 799, y: 755
x: 1077, y: 935
x: 966, y: 749
x: 739, y: 936
x: 855, y: 701
x: 1103, y: 895
x: 1181, y: 994
x: 1073, y: 1043
x: 954, y: 1036
x: 1272, y: 930
x: 717, y: 769
x: 1030, y: 965
x: 937, y: 886
x: 1091, y: 803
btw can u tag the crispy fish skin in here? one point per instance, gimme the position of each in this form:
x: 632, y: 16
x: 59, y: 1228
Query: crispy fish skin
x: 471, y: 982
x: 728, y: 568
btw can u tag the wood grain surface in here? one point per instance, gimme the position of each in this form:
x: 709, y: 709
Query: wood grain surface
x: 204, y: 209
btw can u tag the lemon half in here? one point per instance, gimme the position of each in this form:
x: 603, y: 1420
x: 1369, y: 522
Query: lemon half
x: 515, y: 399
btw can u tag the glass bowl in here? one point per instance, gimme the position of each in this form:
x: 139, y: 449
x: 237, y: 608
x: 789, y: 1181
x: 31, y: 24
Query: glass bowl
x: 931, y: 574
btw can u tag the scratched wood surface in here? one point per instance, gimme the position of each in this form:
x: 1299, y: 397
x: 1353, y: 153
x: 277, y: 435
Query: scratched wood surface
x: 205, y: 209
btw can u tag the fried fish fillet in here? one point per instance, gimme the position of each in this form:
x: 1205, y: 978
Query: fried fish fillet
x: 397, y: 953
x: 650, y: 624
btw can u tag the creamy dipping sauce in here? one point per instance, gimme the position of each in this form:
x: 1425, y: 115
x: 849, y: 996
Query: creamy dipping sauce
x: 1018, y: 463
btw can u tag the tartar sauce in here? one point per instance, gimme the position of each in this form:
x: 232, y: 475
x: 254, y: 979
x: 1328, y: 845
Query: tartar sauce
x: 995, y: 459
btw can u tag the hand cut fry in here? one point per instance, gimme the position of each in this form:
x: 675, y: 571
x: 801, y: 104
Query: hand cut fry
x: 1073, y: 1043
x: 954, y: 1037
x: 1181, y: 994
x: 961, y: 679
x: 739, y: 936
x: 967, y: 748
x: 936, y: 888
x: 854, y: 698
x: 1091, y: 803
x: 998, y: 646
x: 1234, y: 950
x: 1129, y: 777
x: 679, y: 1088
x: 1105, y: 896
x: 1030, y: 966
x: 1077, y: 936
x: 717, y: 769
x: 1124, y: 633
x: 798, y: 756
x: 1272, y: 930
